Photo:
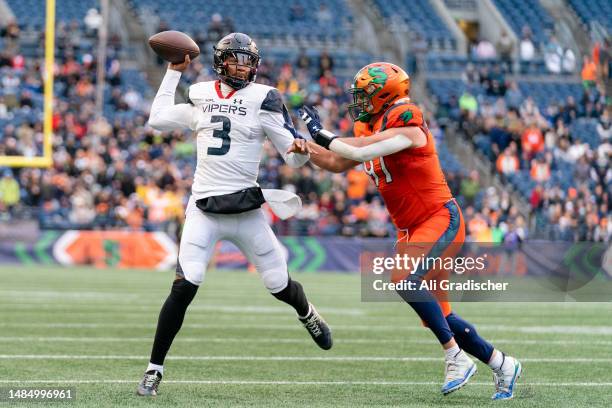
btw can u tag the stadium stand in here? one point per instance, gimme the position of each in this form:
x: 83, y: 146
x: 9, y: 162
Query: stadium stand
x: 549, y: 140
x: 115, y: 172
x: 421, y: 18
x: 528, y: 13
x: 593, y: 10
x: 31, y: 14
x: 265, y: 19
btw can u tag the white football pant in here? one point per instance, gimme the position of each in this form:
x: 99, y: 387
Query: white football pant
x: 249, y: 231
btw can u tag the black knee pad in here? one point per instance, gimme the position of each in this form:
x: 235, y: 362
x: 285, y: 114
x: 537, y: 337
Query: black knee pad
x: 183, y: 291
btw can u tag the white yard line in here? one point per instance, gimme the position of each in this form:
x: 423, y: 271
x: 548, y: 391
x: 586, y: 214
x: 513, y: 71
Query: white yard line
x: 275, y: 358
x: 272, y: 340
x: 144, y: 310
x: 263, y: 382
x: 536, y: 329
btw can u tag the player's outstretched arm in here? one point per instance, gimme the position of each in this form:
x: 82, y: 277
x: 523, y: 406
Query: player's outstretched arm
x: 165, y: 115
x: 363, y: 149
x: 322, y: 157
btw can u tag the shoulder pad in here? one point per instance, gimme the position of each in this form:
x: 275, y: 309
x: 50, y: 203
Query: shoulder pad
x: 273, y: 101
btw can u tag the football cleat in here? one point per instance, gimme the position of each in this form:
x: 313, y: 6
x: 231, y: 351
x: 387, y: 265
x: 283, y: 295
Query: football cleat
x: 318, y: 328
x: 149, y: 384
x: 505, y: 377
x: 459, y: 370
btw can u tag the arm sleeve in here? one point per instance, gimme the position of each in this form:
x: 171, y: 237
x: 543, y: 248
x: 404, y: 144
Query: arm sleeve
x: 276, y: 123
x: 369, y: 152
x: 165, y: 115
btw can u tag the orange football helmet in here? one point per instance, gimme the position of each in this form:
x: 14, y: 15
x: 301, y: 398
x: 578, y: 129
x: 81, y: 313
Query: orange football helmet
x: 375, y: 87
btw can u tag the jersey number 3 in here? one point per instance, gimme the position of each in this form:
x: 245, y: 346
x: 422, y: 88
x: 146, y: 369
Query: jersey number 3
x: 222, y: 134
x: 372, y: 172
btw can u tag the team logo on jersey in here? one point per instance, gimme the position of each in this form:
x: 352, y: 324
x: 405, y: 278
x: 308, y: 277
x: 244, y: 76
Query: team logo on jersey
x: 224, y: 108
x: 406, y: 116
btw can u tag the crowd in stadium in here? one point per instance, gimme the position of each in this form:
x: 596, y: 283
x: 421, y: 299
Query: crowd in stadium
x: 119, y: 173
x: 517, y: 135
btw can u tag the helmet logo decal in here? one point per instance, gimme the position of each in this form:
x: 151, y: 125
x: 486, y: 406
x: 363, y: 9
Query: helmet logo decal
x: 379, y: 77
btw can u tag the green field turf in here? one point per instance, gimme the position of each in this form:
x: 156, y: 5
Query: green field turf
x: 92, y: 329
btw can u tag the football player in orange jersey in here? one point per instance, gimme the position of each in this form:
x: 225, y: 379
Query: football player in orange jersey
x: 398, y: 151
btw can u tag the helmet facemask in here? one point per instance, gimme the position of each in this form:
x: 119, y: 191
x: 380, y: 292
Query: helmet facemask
x: 361, y: 108
x: 236, y: 61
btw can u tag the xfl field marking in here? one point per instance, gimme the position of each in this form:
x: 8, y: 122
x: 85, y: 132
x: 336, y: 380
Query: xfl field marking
x: 240, y: 347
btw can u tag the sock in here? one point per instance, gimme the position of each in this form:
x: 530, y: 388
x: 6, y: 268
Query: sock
x: 155, y: 367
x: 307, y: 313
x: 452, y: 352
x: 171, y: 318
x: 294, y: 295
x: 428, y: 309
x: 468, y: 338
x: 497, y: 360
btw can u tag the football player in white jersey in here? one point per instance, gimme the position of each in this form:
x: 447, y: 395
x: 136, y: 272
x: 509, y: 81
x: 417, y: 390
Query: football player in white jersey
x: 231, y: 117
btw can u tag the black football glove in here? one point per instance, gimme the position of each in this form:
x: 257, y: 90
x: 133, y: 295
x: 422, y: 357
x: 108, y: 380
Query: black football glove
x: 310, y: 116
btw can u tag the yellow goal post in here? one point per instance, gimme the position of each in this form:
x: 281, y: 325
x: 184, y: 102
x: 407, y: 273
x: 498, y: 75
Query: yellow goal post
x: 46, y: 159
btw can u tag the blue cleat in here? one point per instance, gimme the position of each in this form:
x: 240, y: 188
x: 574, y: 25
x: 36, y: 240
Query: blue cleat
x: 458, y: 372
x: 505, y: 378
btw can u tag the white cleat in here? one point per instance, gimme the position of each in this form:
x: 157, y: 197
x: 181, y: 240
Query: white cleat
x: 505, y: 378
x: 459, y: 370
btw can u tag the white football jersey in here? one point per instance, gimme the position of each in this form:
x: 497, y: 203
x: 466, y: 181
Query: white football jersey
x: 230, y: 130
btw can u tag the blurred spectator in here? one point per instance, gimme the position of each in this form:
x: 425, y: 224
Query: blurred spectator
x: 526, y: 47
x: 514, y: 96
x: 505, y: 50
x: 605, y: 61
x: 216, y: 28
x: 326, y: 63
x: 470, y: 187
x: 540, y: 170
x: 4, y: 112
x: 508, y: 162
x: 577, y: 150
x: 9, y: 192
x: 604, y: 127
x: 532, y: 141
x: 11, y: 34
x: 569, y: 61
x: 589, y: 72
x: 470, y: 76
x: 485, y: 50
x: 303, y: 60
x: 553, y: 55
x: 93, y: 21
x: 358, y: 182
x: 468, y: 103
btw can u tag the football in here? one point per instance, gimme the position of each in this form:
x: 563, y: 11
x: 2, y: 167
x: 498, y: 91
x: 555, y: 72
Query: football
x: 173, y: 45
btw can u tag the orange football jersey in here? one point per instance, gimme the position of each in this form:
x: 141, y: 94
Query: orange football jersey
x: 411, y: 181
